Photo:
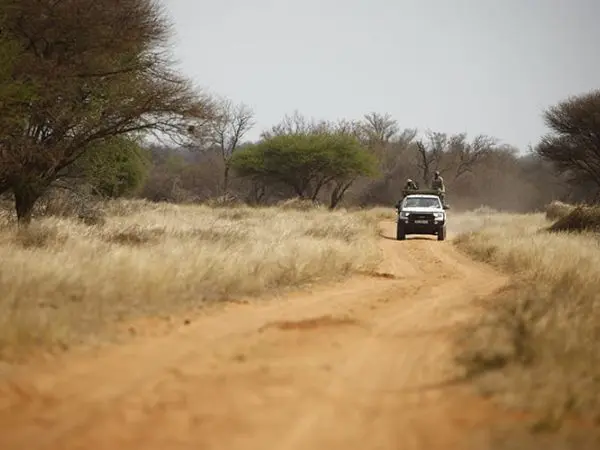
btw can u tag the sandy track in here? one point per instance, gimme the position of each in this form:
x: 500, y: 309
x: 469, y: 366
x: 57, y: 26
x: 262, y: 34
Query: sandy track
x: 365, y: 364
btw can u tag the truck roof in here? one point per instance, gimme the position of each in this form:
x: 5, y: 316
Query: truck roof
x: 422, y: 196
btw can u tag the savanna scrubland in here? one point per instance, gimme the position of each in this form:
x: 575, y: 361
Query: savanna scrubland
x: 101, y: 226
x: 64, y: 281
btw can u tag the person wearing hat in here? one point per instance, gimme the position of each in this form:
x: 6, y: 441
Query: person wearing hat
x: 438, y: 184
x: 410, y: 185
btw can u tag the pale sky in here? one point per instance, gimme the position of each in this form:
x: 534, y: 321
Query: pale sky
x: 475, y: 66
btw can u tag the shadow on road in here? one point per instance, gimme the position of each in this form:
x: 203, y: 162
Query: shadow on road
x: 410, y: 238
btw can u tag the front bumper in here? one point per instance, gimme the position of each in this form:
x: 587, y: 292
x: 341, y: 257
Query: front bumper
x: 421, y: 224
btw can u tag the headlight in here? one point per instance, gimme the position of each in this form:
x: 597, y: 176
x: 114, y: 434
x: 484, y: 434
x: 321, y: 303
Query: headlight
x: 403, y: 215
x: 438, y: 216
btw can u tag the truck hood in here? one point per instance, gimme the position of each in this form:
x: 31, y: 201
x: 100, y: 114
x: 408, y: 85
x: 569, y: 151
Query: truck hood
x: 415, y: 209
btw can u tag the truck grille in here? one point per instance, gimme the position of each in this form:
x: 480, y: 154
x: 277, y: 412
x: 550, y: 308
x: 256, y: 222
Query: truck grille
x: 413, y: 217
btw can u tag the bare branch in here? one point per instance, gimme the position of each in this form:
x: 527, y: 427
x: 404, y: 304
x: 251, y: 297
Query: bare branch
x: 425, y: 161
x: 380, y: 129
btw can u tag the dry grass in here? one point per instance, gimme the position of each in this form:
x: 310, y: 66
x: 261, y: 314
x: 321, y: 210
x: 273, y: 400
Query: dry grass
x: 536, y: 343
x: 557, y: 210
x: 63, y: 281
x: 299, y: 204
x: 381, y: 213
x: 580, y: 218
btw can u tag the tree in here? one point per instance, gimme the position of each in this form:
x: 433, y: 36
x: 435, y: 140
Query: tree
x: 573, y: 144
x: 227, y: 130
x: 464, y: 156
x: 81, y: 72
x: 307, y: 163
x: 298, y: 124
x: 348, y: 162
x: 451, y: 154
x: 118, y: 167
x: 379, y: 129
x: 425, y: 160
x: 290, y: 125
x: 381, y: 134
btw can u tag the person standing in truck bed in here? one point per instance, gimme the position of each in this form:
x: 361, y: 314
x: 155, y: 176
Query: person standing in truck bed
x: 438, y: 184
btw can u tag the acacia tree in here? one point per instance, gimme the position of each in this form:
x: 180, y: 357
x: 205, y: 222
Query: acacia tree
x: 306, y: 163
x: 80, y: 72
x: 573, y: 144
x: 348, y: 163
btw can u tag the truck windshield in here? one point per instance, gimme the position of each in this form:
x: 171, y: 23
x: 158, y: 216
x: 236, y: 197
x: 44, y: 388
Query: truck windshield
x: 416, y: 202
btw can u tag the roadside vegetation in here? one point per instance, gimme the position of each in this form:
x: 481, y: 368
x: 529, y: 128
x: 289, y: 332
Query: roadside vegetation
x: 101, y: 226
x: 535, y: 344
x: 64, y: 282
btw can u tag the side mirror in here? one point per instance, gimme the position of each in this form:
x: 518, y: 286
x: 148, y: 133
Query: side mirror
x: 446, y: 207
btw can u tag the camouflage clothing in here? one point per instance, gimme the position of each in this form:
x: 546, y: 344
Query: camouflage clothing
x: 410, y: 184
x: 438, y: 184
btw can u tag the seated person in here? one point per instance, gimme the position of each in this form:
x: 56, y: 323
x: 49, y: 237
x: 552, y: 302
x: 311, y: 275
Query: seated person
x: 410, y: 185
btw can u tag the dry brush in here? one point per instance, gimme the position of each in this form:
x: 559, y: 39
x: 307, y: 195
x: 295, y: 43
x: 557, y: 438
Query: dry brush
x: 64, y: 281
x: 535, y: 343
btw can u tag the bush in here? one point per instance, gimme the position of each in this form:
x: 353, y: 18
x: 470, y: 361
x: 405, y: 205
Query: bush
x: 580, y: 218
x: 558, y: 210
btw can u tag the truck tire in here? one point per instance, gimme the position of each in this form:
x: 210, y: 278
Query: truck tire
x: 400, y: 232
x: 441, y: 234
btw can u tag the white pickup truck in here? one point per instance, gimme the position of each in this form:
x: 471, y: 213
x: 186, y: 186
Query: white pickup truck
x: 420, y: 213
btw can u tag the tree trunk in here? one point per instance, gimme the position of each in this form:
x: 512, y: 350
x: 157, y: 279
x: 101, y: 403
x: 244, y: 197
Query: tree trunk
x: 226, y: 180
x: 25, y: 198
x: 338, y: 194
x: 256, y: 193
x: 299, y: 191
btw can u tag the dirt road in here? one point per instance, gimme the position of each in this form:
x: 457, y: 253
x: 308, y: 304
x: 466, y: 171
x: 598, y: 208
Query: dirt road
x: 361, y: 365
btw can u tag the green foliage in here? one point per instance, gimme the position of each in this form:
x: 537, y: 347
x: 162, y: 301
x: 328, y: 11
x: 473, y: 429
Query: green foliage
x: 12, y: 91
x: 306, y: 162
x: 573, y: 144
x: 115, y: 167
x: 75, y: 74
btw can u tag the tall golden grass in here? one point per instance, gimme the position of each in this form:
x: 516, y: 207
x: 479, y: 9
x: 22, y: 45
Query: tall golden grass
x: 558, y: 210
x: 536, y: 342
x: 63, y: 281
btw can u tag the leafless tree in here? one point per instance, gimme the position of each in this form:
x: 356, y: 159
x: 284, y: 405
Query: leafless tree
x: 425, y: 161
x: 297, y: 123
x: 381, y: 134
x: 379, y: 129
x: 392, y: 156
x: 343, y: 126
x: 465, y: 155
x: 451, y: 154
x: 227, y: 131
